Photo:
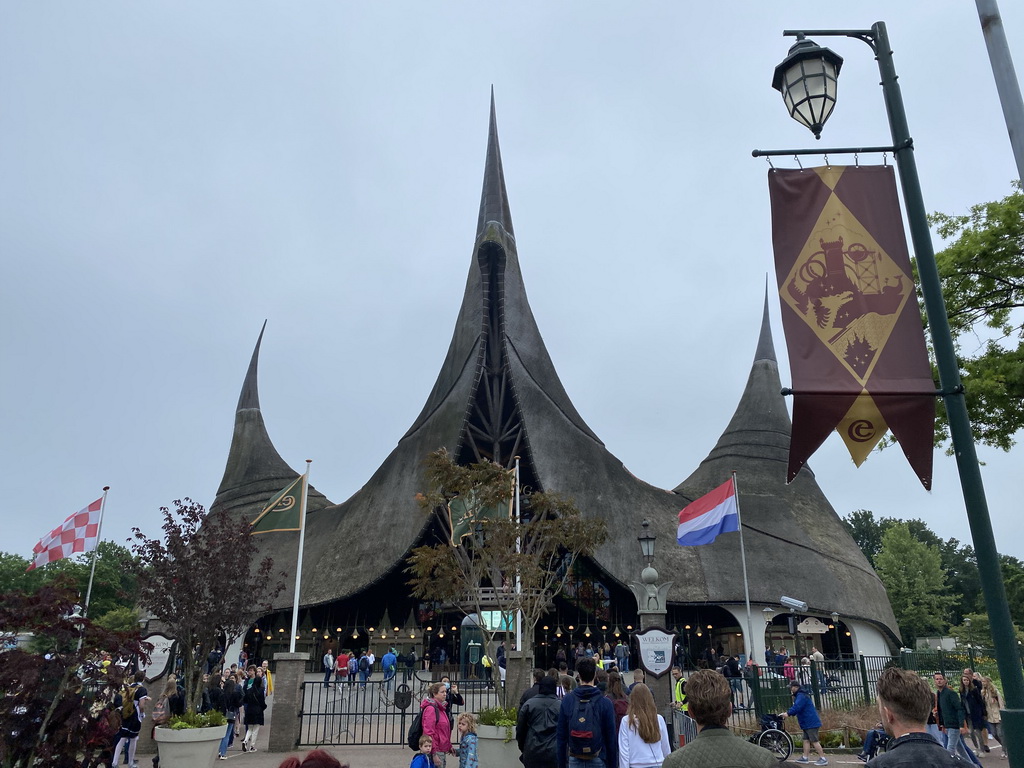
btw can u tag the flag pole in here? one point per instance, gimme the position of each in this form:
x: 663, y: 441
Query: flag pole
x: 298, y: 564
x: 95, y: 554
x: 749, y: 636
x: 519, y: 585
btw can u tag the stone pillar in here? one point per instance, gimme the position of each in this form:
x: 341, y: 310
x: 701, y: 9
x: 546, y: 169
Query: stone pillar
x: 288, y: 676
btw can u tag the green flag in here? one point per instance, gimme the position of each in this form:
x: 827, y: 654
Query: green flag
x: 283, y: 511
x: 463, y: 513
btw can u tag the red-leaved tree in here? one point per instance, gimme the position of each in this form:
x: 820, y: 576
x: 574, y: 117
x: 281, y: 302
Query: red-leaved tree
x: 45, y: 714
x: 201, y: 581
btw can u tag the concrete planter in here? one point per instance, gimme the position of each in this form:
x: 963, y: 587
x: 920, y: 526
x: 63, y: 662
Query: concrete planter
x: 492, y: 749
x: 190, y: 747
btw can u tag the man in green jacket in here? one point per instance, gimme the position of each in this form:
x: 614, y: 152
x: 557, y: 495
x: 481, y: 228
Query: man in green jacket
x: 950, y: 712
x: 709, y: 702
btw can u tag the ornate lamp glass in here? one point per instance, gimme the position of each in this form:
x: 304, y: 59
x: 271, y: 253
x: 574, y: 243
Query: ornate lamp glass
x: 647, y: 539
x: 807, y: 80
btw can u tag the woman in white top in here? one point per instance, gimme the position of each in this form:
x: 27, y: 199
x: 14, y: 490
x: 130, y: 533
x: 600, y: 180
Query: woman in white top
x: 643, y: 736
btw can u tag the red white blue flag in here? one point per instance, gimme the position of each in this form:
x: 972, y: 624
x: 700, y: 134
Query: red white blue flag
x: 714, y: 513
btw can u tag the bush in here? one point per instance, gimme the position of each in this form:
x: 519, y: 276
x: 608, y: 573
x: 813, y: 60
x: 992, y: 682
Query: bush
x: 500, y: 716
x: 197, y: 720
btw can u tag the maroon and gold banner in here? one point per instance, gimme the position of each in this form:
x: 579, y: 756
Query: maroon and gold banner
x: 853, y: 327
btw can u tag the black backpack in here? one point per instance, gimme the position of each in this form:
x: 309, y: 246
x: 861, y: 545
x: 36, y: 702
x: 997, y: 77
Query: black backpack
x: 416, y: 729
x: 364, y: 664
x: 585, y: 737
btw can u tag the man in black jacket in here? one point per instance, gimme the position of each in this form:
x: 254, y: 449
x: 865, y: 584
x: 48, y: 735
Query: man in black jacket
x: 537, y: 725
x: 533, y: 690
x: 904, y: 703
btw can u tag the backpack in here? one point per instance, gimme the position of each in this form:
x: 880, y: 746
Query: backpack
x: 585, y: 737
x: 128, y: 702
x: 416, y: 729
x: 161, y: 711
x: 364, y: 666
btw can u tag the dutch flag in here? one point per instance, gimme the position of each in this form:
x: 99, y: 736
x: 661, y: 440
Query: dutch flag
x: 714, y: 513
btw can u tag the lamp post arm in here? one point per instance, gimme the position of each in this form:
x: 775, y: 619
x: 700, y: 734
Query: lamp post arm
x: 956, y: 407
x: 866, y: 36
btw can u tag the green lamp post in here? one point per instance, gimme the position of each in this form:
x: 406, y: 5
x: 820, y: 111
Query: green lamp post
x: 807, y: 80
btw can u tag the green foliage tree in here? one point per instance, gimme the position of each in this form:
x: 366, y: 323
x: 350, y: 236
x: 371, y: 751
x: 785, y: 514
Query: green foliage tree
x: 202, y: 580
x: 977, y: 632
x: 913, y: 576
x: 515, y: 566
x: 982, y: 274
x: 114, y: 585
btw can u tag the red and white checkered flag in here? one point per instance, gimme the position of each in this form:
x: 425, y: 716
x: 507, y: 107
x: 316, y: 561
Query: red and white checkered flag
x: 79, y: 533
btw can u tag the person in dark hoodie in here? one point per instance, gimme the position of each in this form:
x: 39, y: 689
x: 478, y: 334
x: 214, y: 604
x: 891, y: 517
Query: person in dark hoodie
x: 536, y: 727
x: 586, y: 724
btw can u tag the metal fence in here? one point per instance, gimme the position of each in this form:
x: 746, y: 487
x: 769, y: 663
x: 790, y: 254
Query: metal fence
x: 377, y: 712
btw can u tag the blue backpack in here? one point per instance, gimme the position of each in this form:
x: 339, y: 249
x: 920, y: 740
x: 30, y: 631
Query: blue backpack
x: 585, y: 737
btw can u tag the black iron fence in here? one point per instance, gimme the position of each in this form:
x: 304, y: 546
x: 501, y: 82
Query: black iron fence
x: 377, y: 712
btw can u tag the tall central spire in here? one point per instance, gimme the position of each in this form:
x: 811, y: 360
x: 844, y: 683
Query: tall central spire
x: 494, y: 199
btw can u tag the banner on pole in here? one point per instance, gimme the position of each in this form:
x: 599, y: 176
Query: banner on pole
x: 853, y: 328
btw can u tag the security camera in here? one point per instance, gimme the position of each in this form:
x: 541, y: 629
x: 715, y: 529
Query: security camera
x: 791, y: 602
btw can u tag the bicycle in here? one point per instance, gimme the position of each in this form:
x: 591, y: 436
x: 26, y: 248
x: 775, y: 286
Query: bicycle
x: 773, y: 737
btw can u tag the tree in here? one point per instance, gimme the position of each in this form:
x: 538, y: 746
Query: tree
x: 982, y: 274
x: 201, y: 581
x: 913, y: 577
x: 978, y: 633
x: 45, y: 709
x: 114, y: 587
x: 517, y: 566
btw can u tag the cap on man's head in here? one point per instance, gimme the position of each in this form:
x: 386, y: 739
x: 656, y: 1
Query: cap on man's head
x: 794, y: 684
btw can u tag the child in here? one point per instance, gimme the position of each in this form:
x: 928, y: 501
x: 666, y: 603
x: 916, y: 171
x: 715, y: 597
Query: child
x: 467, y: 741
x: 422, y: 758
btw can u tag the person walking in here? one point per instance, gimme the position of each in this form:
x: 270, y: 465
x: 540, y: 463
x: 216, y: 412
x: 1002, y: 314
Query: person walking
x: 642, y: 735
x: 808, y: 720
x: 328, y: 663
x: 232, y: 701
x: 537, y: 727
x: 951, y: 716
x: 590, y: 741
x: 974, y: 710
x: 255, y: 702
x: 993, y: 703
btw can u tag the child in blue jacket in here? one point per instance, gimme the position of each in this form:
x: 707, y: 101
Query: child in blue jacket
x: 807, y: 717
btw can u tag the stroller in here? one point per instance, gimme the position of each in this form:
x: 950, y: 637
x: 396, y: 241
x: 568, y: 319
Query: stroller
x: 773, y: 737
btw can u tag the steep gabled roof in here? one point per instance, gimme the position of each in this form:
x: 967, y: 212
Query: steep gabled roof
x: 794, y: 538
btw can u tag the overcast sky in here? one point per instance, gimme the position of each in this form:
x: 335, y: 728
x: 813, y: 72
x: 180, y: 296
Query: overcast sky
x: 172, y: 173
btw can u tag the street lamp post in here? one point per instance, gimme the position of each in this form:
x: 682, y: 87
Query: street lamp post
x: 814, y: 93
x: 652, y: 606
x: 835, y: 628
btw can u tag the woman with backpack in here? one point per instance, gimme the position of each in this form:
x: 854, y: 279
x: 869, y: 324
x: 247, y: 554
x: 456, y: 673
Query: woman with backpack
x: 232, y: 701
x: 255, y: 702
x: 436, y: 723
x: 643, y: 735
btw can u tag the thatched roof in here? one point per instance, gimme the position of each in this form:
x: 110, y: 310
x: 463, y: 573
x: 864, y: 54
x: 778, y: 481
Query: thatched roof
x: 795, y: 542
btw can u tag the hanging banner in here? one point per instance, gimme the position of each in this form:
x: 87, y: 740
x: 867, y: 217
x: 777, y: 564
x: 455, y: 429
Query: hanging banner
x: 853, y: 328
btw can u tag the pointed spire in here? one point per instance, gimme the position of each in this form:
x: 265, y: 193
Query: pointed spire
x: 765, y: 346
x: 250, y: 395
x: 494, y: 198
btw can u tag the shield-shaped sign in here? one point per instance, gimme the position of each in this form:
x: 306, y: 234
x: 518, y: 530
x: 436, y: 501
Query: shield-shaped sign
x: 160, y: 658
x: 654, y: 647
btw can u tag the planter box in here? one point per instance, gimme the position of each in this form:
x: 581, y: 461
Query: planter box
x: 492, y: 749
x: 190, y: 747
